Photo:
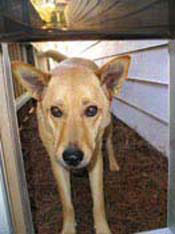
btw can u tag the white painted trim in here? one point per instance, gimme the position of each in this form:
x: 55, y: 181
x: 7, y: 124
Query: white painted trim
x: 135, y: 51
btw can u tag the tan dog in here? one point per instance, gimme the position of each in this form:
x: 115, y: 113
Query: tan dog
x: 73, y: 112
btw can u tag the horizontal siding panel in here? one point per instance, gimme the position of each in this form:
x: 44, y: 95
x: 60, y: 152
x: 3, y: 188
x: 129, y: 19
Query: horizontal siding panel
x: 143, y: 111
x: 150, y: 65
x: 98, y: 49
x: 155, y: 132
x: 107, y: 48
x: 149, y: 97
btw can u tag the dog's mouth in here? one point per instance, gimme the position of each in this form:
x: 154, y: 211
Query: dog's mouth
x: 74, y: 166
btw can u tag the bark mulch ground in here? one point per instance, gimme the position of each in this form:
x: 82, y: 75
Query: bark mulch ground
x: 136, y: 196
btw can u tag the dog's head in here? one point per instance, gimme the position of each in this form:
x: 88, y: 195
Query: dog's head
x: 74, y: 102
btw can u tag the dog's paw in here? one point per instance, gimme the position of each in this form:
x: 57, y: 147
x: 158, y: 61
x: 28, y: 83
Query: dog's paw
x: 114, y: 167
x: 69, y: 229
x: 68, y: 232
x: 103, y: 229
x: 103, y: 232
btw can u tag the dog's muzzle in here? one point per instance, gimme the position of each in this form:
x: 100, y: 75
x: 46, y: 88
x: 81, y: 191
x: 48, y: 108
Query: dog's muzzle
x: 73, y: 156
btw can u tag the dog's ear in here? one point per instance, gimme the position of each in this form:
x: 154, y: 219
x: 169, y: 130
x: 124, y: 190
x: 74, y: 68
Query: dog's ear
x: 31, y: 78
x: 114, y: 73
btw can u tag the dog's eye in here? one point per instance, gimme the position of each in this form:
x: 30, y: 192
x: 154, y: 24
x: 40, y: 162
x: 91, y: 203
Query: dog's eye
x: 56, y: 112
x: 91, y: 111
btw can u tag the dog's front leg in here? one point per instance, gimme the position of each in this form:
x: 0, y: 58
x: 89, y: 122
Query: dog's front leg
x: 113, y: 165
x: 96, y: 182
x: 63, y: 181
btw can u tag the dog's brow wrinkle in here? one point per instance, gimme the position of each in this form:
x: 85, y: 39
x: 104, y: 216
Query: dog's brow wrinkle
x: 59, y: 102
x: 85, y: 102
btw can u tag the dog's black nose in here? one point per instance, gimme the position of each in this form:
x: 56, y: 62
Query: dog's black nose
x: 72, y: 156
